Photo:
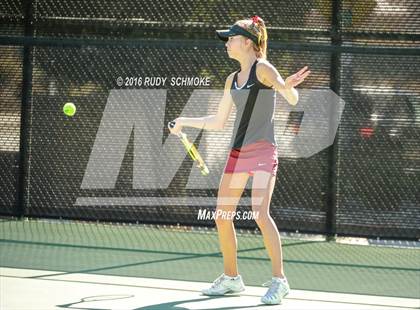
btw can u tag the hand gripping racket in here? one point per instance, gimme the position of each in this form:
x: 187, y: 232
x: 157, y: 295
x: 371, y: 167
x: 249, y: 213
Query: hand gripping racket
x: 192, y: 151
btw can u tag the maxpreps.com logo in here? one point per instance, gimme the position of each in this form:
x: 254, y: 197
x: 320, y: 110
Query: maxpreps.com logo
x: 206, y: 215
x: 155, y: 163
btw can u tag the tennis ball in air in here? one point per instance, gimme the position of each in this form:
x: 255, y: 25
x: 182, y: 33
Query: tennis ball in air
x: 69, y: 109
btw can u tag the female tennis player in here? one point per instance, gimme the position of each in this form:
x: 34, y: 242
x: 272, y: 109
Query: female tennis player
x: 253, y: 150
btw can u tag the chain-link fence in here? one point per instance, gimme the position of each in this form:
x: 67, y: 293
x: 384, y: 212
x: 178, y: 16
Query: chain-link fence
x: 366, y: 183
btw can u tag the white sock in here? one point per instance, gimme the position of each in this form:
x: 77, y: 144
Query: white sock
x: 284, y: 279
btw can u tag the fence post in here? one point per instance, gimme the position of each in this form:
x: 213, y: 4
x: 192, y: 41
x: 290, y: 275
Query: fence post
x: 25, y: 110
x: 335, y: 83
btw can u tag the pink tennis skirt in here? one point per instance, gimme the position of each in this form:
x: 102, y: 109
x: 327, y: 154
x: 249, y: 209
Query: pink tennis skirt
x: 260, y: 155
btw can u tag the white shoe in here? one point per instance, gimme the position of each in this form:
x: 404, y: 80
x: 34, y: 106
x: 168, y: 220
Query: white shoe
x: 224, y: 285
x: 279, y: 288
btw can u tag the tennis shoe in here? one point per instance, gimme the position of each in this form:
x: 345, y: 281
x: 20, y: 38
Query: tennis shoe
x: 278, y: 289
x: 225, y: 285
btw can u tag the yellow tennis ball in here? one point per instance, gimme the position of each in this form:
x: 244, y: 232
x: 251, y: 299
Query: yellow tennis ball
x: 69, y: 109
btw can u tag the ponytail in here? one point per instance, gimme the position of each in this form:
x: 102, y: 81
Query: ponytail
x: 256, y: 26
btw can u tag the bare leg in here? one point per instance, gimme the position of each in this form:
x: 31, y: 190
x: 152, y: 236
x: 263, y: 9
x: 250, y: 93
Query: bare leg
x: 262, y: 190
x: 230, y: 191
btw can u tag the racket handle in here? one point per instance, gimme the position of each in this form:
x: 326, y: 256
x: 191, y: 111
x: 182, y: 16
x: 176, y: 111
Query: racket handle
x: 171, y: 124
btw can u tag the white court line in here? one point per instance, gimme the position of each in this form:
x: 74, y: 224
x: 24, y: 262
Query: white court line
x: 52, y: 288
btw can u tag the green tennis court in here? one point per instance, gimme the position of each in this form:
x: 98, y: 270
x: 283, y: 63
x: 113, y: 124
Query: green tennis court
x: 142, y: 260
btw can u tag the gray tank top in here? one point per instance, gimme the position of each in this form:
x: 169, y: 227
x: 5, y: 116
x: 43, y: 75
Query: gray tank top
x: 255, y: 105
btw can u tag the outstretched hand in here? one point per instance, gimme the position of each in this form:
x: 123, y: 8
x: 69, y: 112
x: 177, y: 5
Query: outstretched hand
x: 297, y: 78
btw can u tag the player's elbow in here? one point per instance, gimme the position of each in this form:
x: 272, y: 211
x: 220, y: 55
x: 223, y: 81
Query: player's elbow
x: 293, y: 101
x: 220, y: 126
x: 218, y: 123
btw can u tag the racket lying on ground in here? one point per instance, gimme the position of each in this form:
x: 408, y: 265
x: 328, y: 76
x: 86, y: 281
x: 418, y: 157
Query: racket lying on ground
x: 192, y: 151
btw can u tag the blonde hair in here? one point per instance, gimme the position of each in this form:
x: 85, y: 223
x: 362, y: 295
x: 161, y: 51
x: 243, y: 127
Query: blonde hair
x: 256, y: 26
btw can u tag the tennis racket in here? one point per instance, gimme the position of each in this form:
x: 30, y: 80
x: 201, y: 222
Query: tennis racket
x: 191, y: 150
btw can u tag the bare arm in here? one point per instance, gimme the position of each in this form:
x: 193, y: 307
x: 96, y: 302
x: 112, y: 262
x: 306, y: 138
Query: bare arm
x: 269, y: 75
x: 211, y: 122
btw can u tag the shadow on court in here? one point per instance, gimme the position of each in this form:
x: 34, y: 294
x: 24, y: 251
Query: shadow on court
x: 175, y: 304
x: 167, y: 305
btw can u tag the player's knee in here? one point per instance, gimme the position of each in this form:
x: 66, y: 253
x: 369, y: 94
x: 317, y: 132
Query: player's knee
x: 223, y: 218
